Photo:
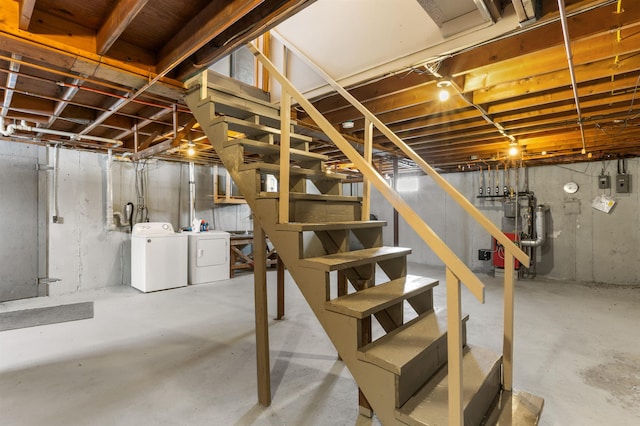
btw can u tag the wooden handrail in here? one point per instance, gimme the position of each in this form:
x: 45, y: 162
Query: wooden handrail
x: 448, y: 257
x: 484, y: 221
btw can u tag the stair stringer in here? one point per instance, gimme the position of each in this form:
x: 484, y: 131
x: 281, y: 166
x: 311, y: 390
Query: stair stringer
x: 377, y: 384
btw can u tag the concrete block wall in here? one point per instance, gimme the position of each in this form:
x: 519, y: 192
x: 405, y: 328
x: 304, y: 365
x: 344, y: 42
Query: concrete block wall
x: 583, y: 244
x: 79, y: 251
x: 85, y: 256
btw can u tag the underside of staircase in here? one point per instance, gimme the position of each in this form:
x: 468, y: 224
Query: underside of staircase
x: 381, y: 320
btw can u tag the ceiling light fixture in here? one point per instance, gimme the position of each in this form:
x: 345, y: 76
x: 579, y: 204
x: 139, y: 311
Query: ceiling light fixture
x: 513, y: 151
x: 191, y: 149
x: 443, y: 95
x: 348, y: 125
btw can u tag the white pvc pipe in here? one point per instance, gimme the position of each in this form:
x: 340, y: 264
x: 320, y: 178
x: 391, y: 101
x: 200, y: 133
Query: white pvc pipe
x: 110, y: 223
x: 11, y: 128
x: 572, y: 74
x: 192, y: 192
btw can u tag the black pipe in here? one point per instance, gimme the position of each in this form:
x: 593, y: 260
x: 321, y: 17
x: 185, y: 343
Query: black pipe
x: 130, y: 218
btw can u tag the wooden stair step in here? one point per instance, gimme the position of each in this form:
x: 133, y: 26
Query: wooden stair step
x: 350, y: 259
x: 515, y: 409
x: 264, y: 148
x: 396, y: 350
x: 311, y: 197
x: 329, y: 226
x: 366, y: 302
x: 481, y: 385
x: 274, y: 169
x: 251, y: 129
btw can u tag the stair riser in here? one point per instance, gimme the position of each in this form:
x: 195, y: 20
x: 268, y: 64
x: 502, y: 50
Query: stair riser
x: 323, y: 211
x: 418, y: 372
x: 484, y: 398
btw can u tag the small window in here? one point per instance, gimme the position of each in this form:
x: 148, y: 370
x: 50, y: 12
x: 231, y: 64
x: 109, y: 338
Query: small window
x: 240, y: 65
x: 407, y: 184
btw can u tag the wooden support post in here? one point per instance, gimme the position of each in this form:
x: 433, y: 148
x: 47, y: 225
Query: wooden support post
x: 204, y: 83
x: 396, y: 219
x: 262, y: 320
x: 454, y: 347
x: 507, y: 345
x: 280, y: 287
x: 343, y: 284
x: 368, y: 156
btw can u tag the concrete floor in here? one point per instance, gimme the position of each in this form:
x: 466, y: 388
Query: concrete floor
x: 186, y: 357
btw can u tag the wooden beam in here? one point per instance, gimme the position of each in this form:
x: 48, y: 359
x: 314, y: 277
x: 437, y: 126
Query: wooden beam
x: 214, y: 19
x: 280, y: 287
x: 26, y: 10
x: 168, y: 144
x: 454, y: 349
x: 118, y: 20
x: 261, y: 313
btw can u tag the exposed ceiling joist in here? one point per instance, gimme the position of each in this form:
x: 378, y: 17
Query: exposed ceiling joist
x: 118, y: 20
x: 26, y: 11
x: 207, y: 24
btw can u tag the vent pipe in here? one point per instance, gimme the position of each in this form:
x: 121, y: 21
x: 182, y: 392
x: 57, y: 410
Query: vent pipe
x: 541, y: 229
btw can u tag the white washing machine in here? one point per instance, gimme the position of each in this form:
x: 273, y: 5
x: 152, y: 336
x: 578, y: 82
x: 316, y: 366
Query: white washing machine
x: 158, y: 257
x: 208, y: 256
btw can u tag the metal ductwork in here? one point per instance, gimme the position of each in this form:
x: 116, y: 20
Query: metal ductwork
x: 453, y: 17
x: 528, y: 11
x: 541, y: 228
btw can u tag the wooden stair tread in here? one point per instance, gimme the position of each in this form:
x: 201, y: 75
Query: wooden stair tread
x: 254, y: 129
x: 311, y: 197
x: 481, y: 384
x: 366, y: 302
x: 329, y: 226
x: 515, y: 409
x: 350, y: 259
x: 275, y: 170
x: 395, y: 350
x: 264, y: 148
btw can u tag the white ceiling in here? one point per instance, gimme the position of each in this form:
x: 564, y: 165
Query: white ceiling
x: 357, y: 40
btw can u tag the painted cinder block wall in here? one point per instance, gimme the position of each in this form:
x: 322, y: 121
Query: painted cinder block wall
x: 583, y: 244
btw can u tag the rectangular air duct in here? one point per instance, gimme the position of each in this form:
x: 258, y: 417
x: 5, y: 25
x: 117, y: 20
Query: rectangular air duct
x: 454, y: 17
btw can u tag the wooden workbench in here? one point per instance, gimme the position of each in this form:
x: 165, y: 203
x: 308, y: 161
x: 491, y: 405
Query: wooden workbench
x: 238, y: 259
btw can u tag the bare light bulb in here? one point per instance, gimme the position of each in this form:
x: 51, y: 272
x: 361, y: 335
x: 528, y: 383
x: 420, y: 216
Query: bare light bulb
x: 513, y: 151
x: 443, y: 95
x: 191, y: 151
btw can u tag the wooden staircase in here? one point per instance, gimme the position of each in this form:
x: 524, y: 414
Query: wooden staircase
x: 384, y: 325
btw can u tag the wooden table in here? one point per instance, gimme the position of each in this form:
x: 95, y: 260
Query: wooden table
x: 241, y: 260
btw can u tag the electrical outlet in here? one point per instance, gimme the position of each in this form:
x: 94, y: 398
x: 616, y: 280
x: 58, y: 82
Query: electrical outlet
x: 58, y: 219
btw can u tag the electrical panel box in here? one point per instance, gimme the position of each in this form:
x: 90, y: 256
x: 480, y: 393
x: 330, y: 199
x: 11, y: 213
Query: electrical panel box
x: 623, y: 183
x: 604, y: 182
x: 484, y: 254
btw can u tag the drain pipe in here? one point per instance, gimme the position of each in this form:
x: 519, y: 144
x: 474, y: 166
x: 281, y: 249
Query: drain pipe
x: 110, y: 216
x: 192, y: 192
x: 11, y: 128
x: 541, y: 229
x: 567, y: 46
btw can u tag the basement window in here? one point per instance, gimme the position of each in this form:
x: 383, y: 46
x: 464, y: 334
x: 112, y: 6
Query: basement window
x: 239, y: 65
x: 407, y: 184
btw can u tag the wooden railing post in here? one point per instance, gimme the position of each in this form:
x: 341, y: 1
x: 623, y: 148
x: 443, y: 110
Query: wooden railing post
x: 285, y: 144
x: 262, y: 319
x: 368, y: 157
x: 454, y: 349
x: 507, y: 345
